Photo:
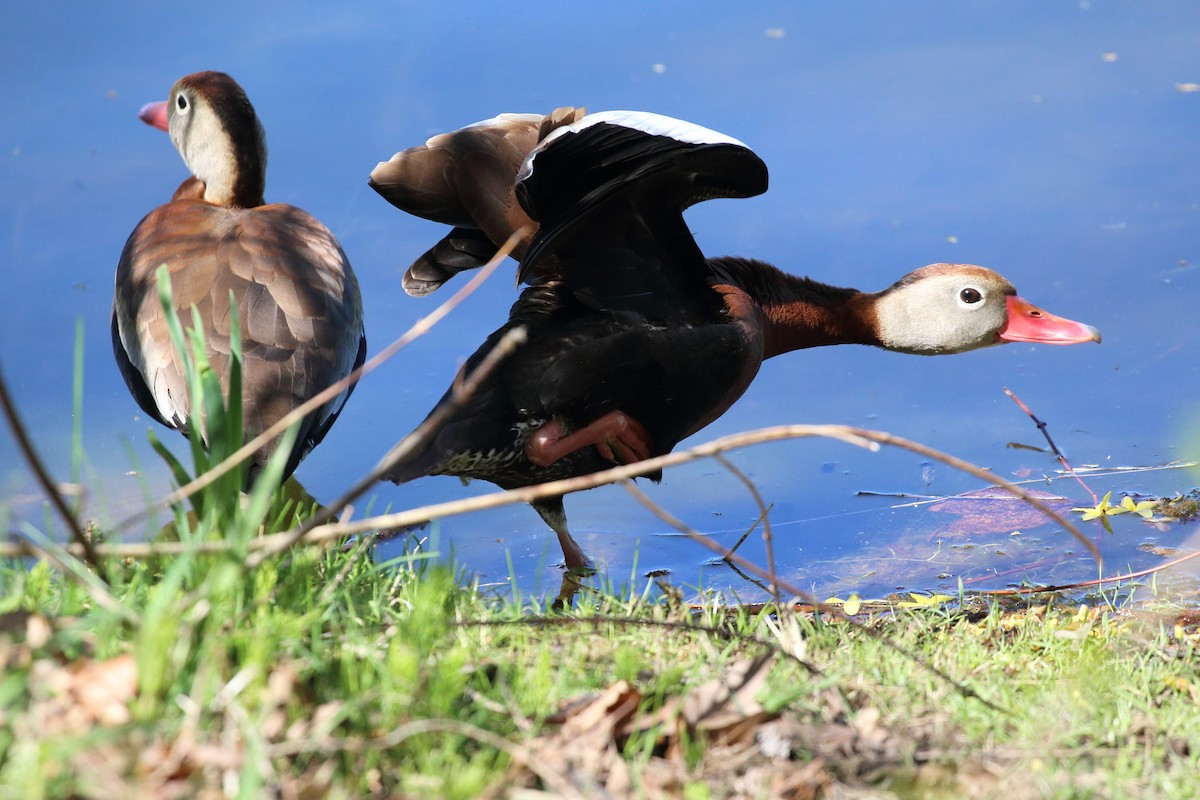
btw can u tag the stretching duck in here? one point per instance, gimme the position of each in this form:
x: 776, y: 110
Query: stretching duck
x: 636, y: 340
x: 297, y: 299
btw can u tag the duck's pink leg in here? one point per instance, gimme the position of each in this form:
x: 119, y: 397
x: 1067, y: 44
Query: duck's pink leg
x: 616, y: 436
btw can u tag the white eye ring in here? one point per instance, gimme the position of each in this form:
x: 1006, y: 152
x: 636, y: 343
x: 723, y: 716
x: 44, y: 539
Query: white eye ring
x: 181, y: 102
x: 970, y: 296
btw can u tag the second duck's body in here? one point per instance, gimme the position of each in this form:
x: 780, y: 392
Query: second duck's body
x: 297, y: 298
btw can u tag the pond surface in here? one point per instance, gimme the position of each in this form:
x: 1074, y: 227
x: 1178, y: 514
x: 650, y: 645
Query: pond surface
x: 1057, y: 142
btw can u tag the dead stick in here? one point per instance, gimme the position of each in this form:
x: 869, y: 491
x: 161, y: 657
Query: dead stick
x: 43, y: 477
x: 1045, y: 432
x: 763, y: 514
x: 856, y: 436
x: 1094, y: 582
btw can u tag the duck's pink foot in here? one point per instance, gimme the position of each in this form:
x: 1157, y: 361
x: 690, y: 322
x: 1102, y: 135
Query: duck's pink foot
x: 616, y: 436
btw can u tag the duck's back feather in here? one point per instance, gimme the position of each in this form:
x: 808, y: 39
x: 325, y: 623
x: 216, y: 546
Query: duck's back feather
x: 301, y: 326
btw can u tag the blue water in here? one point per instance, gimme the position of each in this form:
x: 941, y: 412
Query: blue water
x: 1053, y: 141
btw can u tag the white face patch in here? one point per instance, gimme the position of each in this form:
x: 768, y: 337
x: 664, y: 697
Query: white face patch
x: 942, y: 313
x: 205, y: 146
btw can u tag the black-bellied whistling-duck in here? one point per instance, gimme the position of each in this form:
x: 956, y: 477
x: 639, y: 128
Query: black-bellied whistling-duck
x: 297, y: 298
x: 636, y: 340
x: 467, y: 179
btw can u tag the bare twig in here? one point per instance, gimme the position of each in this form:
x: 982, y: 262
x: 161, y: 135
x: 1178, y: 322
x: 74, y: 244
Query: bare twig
x: 418, y: 329
x: 763, y: 514
x: 528, y: 494
x: 1041, y: 426
x: 855, y: 436
x: 1064, y: 587
x: 86, y: 547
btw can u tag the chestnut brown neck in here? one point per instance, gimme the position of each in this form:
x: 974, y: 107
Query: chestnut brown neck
x: 799, y: 312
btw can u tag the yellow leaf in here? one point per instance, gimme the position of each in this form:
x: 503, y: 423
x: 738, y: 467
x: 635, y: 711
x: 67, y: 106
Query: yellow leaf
x: 924, y: 601
x: 853, y: 605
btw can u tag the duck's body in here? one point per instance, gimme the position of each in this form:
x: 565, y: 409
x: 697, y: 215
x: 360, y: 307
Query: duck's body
x: 636, y: 340
x: 297, y: 299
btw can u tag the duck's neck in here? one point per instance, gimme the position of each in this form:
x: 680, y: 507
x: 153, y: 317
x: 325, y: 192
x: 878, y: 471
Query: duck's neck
x: 227, y: 153
x: 799, y: 312
x: 241, y: 178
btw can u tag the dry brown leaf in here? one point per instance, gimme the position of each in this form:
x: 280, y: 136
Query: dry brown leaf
x: 37, y: 631
x: 585, y: 747
x: 83, y: 694
x: 725, y: 709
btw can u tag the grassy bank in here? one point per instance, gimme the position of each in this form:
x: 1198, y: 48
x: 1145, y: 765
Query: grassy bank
x: 321, y: 673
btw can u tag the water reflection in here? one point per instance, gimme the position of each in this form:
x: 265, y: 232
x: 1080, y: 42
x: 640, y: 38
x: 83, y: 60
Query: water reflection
x: 1048, y: 141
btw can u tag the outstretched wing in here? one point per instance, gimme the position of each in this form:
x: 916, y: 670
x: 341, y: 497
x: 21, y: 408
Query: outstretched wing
x: 466, y: 178
x: 609, y: 193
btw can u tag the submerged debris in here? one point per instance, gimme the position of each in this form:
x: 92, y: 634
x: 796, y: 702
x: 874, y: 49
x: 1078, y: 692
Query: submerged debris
x: 1181, y: 508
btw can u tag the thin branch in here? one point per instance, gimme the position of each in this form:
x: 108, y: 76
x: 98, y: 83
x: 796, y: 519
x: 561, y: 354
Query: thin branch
x: 772, y: 592
x: 1064, y: 587
x: 855, y: 436
x: 527, y: 494
x: 971, y: 469
x: 1041, y: 426
x: 763, y: 514
x: 43, y: 477
x: 418, y: 329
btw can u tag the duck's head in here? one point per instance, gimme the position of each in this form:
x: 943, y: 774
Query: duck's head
x: 215, y: 129
x: 952, y: 308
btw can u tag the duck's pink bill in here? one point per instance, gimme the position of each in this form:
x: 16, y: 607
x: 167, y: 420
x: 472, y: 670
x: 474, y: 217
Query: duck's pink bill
x: 155, y: 114
x: 1028, y: 323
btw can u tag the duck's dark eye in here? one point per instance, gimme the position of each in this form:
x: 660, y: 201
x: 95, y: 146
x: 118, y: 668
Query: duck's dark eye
x: 970, y: 295
x: 181, y: 103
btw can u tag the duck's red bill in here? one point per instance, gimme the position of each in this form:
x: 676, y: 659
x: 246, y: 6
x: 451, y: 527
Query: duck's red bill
x: 155, y: 114
x: 1028, y: 323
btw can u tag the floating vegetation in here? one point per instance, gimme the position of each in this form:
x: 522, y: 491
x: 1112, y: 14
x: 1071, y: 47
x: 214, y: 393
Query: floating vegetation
x: 1181, y: 508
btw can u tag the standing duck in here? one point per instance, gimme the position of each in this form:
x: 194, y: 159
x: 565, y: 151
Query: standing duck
x: 636, y: 340
x: 297, y: 299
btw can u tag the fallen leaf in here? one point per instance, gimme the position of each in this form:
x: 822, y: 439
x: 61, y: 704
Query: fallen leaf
x: 725, y: 708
